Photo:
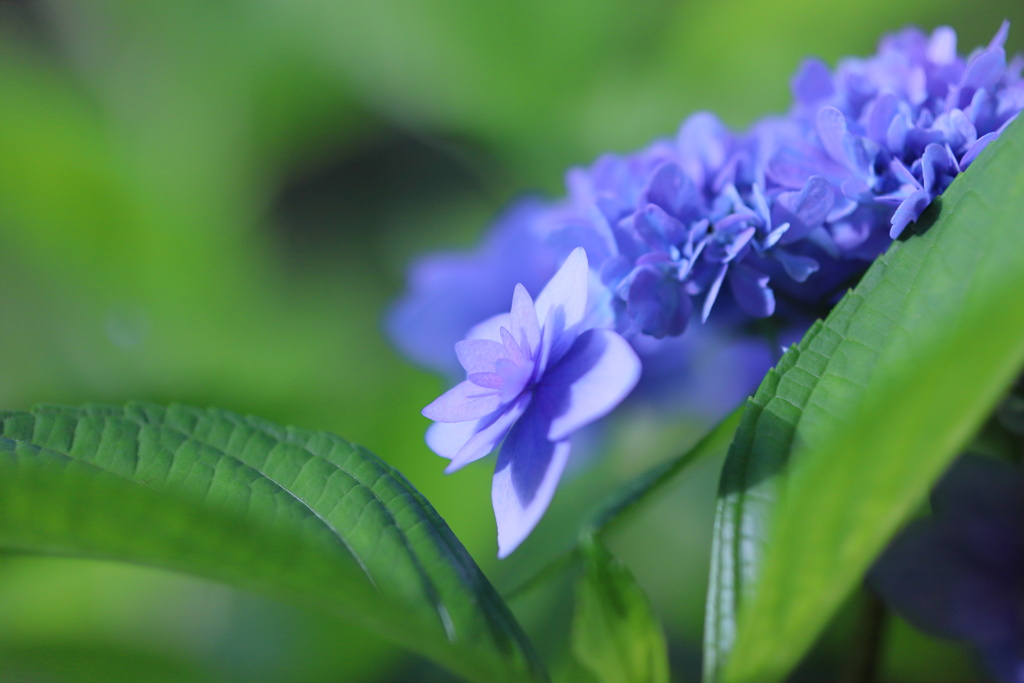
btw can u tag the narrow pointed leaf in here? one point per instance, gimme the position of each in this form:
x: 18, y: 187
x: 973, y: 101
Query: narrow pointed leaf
x: 299, y: 515
x: 861, y: 418
x: 615, y: 632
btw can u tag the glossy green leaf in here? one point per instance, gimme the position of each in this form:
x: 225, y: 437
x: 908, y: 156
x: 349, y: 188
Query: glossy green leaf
x: 301, y: 515
x: 615, y: 632
x: 862, y: 417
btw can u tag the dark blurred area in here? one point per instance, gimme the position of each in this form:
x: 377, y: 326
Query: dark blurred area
x: 214, y: 204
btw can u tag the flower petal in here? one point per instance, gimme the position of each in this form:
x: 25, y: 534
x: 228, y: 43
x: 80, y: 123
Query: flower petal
x: 909, y: 211
x: 974, y: 150
x: 658, y: 304
x: 797, y: 267
x: 464, y: 401
x: 525, y: 478
x: 514, y: 353
x: 562, y: 305
x: 479, y: 355
x: 703, y: 143
x: 713, y: 289
x: 488, y: 434
x: 831, y: 128
x: 487, y: 380
x: 596, y: 374
x: 807, y: 209
x: 672, y: 190
x: 525, y: 327
x: 657, y: 228
x: 942, y: 45
x: 446, y: 438
x: 490, y: 328
x: 985, y: 70
x: 813, y: 82
x: 751, y: 290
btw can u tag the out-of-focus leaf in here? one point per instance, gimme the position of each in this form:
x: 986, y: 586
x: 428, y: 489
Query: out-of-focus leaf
x: 75, y: 662
x: 615, y: 632
x: 871, y: 407
x: 297, y: 514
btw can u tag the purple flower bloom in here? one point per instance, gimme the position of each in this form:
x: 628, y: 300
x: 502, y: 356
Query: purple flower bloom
x: 896, y: 128
x: 795, y: 208
x: 542, y: 377
x: 722, y: 226
x: 960, y: 573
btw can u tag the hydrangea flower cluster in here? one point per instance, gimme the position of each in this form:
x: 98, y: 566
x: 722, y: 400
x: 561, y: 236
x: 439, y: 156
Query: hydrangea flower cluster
x: 960, y: 573
x: 703, y: 232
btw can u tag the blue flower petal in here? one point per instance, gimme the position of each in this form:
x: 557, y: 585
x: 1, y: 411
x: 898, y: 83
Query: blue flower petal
x: 488, y: 433
x: 909, y: 211
x: 657, y: 304
x: 938, y: 167
x: 674, y: 191
x: 596, y: 374
x: 524, y: 325
x: 446, y: 438
x: 813, y: 82
x: 750, y: 288
x: 529, y: 467
x: 562, y: 304
x: 464, y: 401
x: 712, y: 292
x: 796, y: 266
x: 831, y: 128
x: 657, y: 228
x: 974, y: 150
x: 805, y: 210
x: 479, y: 355
x: 985, y: 69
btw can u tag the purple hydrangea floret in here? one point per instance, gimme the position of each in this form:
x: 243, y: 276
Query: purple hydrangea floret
x: 541, y: 378
x: 960, y: 573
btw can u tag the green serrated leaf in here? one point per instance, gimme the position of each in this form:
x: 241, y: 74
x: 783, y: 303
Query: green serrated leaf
x: 870, y: 407
x: 301, y: 515
x: 615, y: 632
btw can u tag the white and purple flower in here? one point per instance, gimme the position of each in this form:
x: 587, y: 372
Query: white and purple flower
x: 540, y: 376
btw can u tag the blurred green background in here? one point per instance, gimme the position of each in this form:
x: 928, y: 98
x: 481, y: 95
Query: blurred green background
x: 214, y: 202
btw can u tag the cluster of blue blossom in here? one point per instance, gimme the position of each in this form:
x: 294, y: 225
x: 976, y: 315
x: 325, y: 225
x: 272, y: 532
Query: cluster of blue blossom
x: 712, y: 225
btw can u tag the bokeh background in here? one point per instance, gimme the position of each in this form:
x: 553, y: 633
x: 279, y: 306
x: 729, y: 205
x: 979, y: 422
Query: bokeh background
x: 214, y: 202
